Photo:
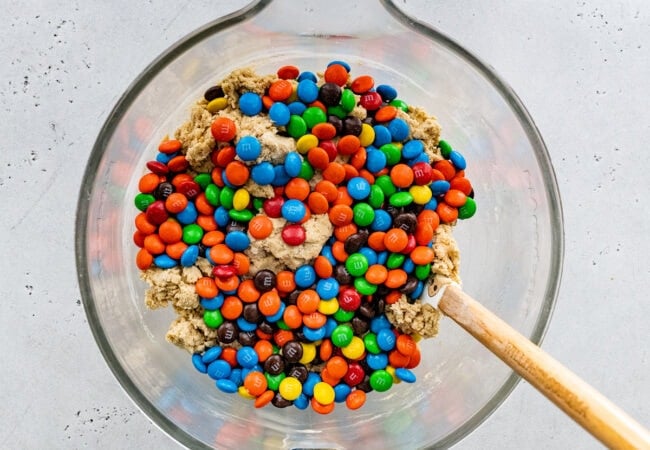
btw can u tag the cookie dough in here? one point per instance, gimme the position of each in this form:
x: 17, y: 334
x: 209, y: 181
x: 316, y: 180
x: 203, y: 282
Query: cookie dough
x: 416, y: 318
x: 191, y: 333
x: 176, y: 286
x: 423, y: 127
x: 196, y: 138
x: 275, y: 253
x: 423, y: 318
x: 243, y: 80
x: 447, y: 259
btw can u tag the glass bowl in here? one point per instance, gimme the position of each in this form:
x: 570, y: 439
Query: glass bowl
x: 511, y: 250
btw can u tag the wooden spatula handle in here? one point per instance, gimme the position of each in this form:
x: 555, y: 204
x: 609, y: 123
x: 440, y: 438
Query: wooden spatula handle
x: 584, y: 404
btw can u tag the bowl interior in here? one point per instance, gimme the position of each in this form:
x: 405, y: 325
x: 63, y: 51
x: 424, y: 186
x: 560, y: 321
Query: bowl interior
x: 510, y: 251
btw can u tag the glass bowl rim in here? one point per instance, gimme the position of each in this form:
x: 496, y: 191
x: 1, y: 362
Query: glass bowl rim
x: 186, y: 42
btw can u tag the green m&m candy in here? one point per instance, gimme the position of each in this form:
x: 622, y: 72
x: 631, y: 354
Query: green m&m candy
x: 400, y: 199
x: 392, y: 152
x: 386, y: 185
x: 192, y: 234
x: 348, y: 102
x: 203, y: 180
x: 363, y: 214
x: 422, y: 272
x: 356, y: 264
x: 342, y: 336
x: 306, y: 171
x: 342, y: 316
x: 376, y: 198
x: 381, y: 381
x: 213, y: 318
x: 241, y: 216
x: 274, y: 380
x: 400, y: 104
x: 370, y: 341
x: 142, y: 201
x: 395, y: 260
x: 212, y: 193
x: 297, y: 126
x: 313, y: 116
x: 226, y: 197
x: 364, y: 287
x: 445, y: 148
x: 468, y: 209
x: 337, y: 111
x: 258, y: 203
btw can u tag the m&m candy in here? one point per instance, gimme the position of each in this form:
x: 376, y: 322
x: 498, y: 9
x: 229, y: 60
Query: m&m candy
x: 301, y: 209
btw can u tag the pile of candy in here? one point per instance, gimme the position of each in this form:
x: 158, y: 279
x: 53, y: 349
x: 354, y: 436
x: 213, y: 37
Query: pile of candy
x: 317, y: 335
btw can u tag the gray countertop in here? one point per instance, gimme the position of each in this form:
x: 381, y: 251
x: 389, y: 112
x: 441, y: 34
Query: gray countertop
x: 581, y: 67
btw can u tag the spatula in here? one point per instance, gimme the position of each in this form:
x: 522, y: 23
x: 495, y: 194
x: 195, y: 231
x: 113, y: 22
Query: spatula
x: 584, y: 404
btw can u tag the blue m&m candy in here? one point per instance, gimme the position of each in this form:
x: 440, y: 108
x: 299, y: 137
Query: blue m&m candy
x: 439, y: 187
x: 412, y: 149
x: 379, y: 323
x: 378, y: 361
x: 327, y: 288
x: 221, y: 216
x: 293, y: 164
x: 457, y: 160
x: 188, y: 215
x: 219, y: 369
x: 198, y: 363
x: 358, y: 188
x: 263, y: 173
x: 279, y: 114
x: 405, y: 375
x: 399, y: 130
x: 388, y: 93
x: 382, y: 136
x: 307, y: 91
x: 314, y: 334
x: 297, y: 108
x: 190, y: 255
x: 305, y: 276
x: 248, y: 148
x: 306, y: 75
x: 386, y: 339
x: 250, y: 104
x: 302, y: 402
x: 164, y: 262
x: 376, y: 160
x: 227, y: 386
x: 340, y: 63
x: 294, y: 210
x: 212, y: 303
x: 247, y: 357
x: 280, y: 177
x: 238, y: 241
x: 341, y: 392
x: 211, y: 354
x: 382, y: 221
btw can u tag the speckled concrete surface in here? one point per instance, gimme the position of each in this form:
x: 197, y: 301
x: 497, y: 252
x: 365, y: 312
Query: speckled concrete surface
x: 581, y: 67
